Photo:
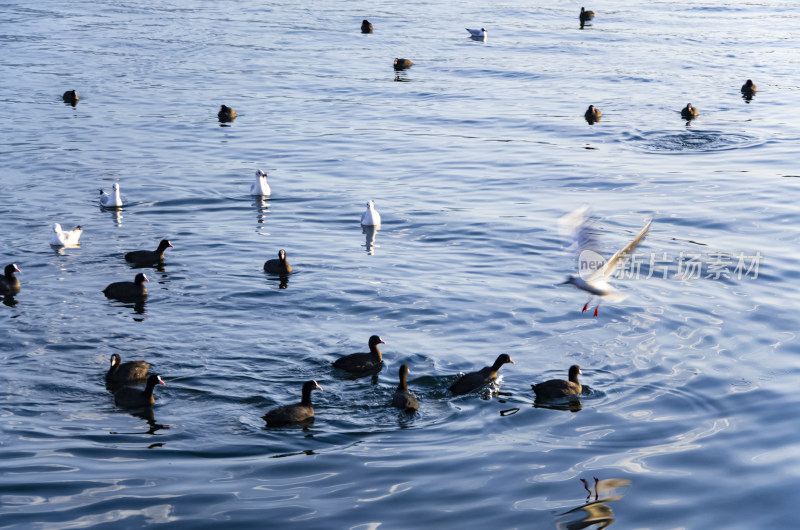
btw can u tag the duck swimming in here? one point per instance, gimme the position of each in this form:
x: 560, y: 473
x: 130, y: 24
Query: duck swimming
x: 469, y: 382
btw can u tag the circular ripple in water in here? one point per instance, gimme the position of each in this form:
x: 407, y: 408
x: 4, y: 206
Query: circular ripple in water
x: 693, y: 141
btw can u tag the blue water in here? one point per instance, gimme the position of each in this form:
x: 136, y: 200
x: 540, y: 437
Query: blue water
x: 471, y: 156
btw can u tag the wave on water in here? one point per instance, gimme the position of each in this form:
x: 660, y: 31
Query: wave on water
x: 692, y: 141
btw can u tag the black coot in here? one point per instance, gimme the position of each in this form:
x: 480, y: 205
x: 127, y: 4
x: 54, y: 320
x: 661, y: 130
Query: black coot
x: 9, y: 284
x: 226, y: 114
x: 471, y: 381
x: 300, y: 412
x: 403, y: 399
x: 556, y: 388
x: 127, y: 290
x: 362, y: 363
x: 278, y: 266
x: 133, y: 398
x: 148, y: 257
x: 71, y: 97
x: 689, y: 112
x: 128, y: 372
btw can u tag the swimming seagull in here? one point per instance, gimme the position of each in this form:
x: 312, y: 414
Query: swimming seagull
x: 65, y: 239
x: 479, y: 34
x: 111, y: 201
x: 370, y: 217
x: 576, y: 225
x: 260, y: 186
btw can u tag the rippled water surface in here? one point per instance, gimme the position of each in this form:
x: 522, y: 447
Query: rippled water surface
x: 687, y: 419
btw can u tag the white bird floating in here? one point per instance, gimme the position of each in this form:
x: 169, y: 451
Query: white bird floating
x: 65, y: 239
x: 260, y: 186
x: 370, y: 217
x: 592, y: 272
x: 479, y: 34
x: 111, y: 201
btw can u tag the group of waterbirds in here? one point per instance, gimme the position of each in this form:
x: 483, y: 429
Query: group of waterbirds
x: 357, y: 364
x: 575, y: 227
x: 136, y: 290
x: 121, y: 378
x: 592, y: 114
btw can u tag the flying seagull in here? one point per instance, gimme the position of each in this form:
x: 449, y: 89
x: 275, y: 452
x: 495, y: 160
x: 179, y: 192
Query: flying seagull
x: 593, y: 274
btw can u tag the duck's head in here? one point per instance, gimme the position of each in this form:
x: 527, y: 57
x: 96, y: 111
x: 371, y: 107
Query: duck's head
x: 308, y: 386
x: 504, y: 358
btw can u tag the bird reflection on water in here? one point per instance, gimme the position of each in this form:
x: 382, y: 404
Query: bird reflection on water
x: 9, y: 300
x: 282, y: 279
x: 262, y: 208
x: 146, y: 415
x: 595, y: 513
x: 116, y: 215
x: 572, y: 404
x: 370, y: 232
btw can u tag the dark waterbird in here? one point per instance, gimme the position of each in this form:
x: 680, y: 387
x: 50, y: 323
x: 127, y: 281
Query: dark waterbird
x: 133, y: 398
x: 469, y: 382
x: 592, y: 114
x: 403, y: 399
x: 362, y: 363
x: 402, y: 64
x: 278, y: 266
x: 148, y: 257
x: 70, y: 97
x: 9, y: 284
x: 226, y: 114
x: 366, y: 27
x: 128, y: 372
x: 689, y: 112
x: 556, y: 388
x: 300, y: 412
x: 749, y: 87
x: 585, y: 16
x: 127, y: 290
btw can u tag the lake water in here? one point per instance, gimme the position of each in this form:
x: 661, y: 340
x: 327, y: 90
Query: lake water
x: 471, y: 156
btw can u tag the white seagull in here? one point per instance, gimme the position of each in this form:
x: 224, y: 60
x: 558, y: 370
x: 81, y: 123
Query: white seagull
x: 370, y: 217
x: 65, y: 239
x: 260, y: 186
x: 592, y: 272
x: 111, y: 201
x: 477, y: 33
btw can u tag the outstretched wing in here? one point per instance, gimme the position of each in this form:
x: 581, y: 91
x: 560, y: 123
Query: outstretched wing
x: 608, y: 269
x: 576, y: 229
